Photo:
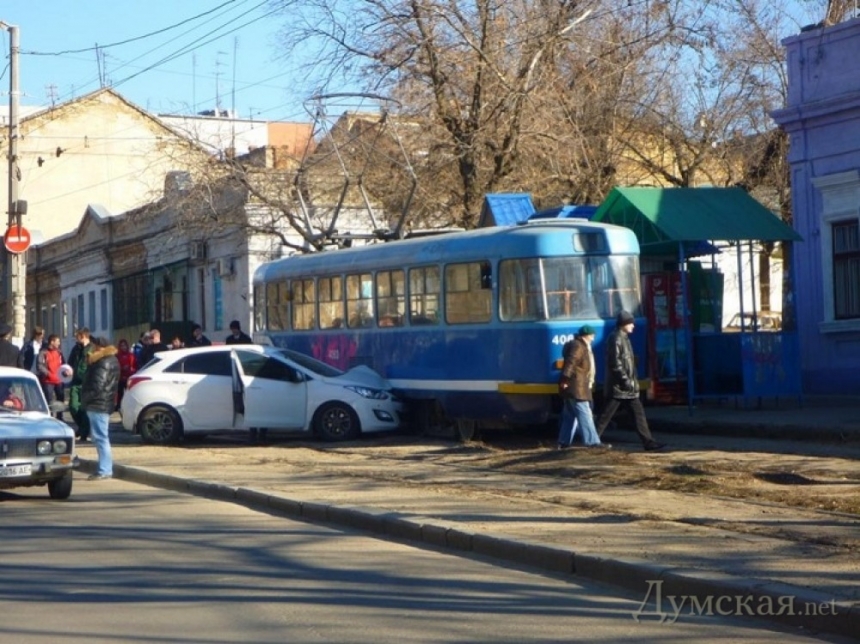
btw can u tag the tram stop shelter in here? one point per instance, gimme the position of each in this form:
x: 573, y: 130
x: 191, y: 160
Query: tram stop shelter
x: 672, y: 226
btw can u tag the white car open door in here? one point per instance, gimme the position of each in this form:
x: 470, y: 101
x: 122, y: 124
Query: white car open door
x: 238, y: 391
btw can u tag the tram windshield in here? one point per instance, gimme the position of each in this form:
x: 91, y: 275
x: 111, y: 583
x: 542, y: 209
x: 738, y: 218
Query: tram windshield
x: 568, y: 288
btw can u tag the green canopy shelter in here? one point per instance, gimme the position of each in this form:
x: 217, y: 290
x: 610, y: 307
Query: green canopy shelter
x: 679, y: 222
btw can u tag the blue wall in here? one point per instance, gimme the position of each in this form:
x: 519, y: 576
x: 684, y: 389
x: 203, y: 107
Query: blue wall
x: 822, y: 119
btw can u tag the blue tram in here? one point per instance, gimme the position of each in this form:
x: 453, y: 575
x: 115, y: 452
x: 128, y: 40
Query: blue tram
x: 469, y: 326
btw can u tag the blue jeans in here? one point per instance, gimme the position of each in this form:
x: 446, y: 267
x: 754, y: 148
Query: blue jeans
x: 567, y: 423
x: 586, y: 420
x: 99, y: 423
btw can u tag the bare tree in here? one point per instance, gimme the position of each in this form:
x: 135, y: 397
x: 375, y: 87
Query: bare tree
x: 465, y: 72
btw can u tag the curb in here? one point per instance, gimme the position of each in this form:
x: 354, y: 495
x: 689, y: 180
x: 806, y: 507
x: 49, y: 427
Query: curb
x: 671, y: 592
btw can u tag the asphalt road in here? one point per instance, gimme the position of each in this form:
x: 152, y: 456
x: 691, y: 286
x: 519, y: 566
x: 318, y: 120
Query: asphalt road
x: 120, y: 562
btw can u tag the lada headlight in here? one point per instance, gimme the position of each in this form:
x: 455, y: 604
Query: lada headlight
x: 46, y: 447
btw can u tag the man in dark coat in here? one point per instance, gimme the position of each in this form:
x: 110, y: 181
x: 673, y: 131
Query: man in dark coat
x: 237, y: 335
x: 98, y: 397
x: 622, y: 385
x: 8, y: 351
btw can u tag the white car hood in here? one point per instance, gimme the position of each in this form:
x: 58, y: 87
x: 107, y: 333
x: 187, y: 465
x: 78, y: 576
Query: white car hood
x: 360, y: 376
x: 31, y: 424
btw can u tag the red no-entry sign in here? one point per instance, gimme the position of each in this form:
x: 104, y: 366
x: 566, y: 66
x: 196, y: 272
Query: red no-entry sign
x: 17, y: 239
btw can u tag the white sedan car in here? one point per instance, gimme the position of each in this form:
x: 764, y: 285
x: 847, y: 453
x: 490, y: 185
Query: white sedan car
x: 209, y: 389
x: 35, y: 448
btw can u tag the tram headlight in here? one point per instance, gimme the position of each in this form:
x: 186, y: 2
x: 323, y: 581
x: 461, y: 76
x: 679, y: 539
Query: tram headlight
x: 367, y: 392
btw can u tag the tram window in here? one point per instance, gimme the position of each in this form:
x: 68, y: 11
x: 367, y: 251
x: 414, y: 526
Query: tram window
x: 331, y: 302
x: 304, y: 304
x: 359, y: 300
x: 424, y: 288
x: 467, y: 299
x: 520, y: 293
x: 568, y: 295
x: 277, y: 300
x: 390, y: 298
x: 259, y: 307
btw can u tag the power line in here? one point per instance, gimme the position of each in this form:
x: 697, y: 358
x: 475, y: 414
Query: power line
x: 129, y: 40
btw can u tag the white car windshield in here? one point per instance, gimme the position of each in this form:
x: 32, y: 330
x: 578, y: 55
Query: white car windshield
x: 312, y: 364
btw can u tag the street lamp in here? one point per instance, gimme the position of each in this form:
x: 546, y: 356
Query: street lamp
x: 15, y: 265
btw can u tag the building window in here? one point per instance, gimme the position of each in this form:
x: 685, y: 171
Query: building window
x: 91, y: 311
x: 103, y: 300
x: 846, y: 269
x: 131, y: 297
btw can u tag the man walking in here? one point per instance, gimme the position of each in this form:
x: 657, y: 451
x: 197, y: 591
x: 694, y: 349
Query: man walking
x: 622, y: 385
x: 575, y: 385
x: 98, y: 397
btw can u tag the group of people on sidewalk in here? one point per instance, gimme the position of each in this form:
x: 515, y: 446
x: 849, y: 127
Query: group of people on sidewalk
x: 621, y: 387
x: 99, y: 372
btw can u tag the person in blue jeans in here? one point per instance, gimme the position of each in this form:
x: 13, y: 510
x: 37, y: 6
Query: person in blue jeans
x: 98, y: 400
x: 575, y: 387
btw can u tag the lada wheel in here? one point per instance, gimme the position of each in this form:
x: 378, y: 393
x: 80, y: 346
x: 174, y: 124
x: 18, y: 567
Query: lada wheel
x: 61, y: 488
x: 336, y: 421
x: 159, y: 425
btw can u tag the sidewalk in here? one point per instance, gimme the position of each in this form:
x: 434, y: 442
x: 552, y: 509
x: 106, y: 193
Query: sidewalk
x: 813, y: 418
x: 615, y: 535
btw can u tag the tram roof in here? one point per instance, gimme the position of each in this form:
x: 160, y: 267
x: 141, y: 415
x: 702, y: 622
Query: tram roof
x: 662, y: 217
x: 524, y: 240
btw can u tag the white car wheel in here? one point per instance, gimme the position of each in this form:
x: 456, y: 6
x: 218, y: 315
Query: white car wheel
x: 159, y: 425
x: 336, y: 421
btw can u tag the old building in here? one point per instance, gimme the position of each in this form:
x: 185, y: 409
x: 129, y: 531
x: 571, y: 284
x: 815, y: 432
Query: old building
x: 822, y: 119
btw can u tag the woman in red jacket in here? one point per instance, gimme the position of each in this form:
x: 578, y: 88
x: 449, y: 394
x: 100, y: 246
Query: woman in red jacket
x: 127, y: 367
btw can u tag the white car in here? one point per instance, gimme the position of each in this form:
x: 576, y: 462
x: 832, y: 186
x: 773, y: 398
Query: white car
x: 35, y: 448
x: 228, y: 387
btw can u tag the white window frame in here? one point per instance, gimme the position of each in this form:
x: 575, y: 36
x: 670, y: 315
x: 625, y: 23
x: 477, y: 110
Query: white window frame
x: 840, y: 196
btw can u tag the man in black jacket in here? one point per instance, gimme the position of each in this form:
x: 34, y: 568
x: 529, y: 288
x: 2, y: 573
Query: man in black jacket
x: 98, y: 398
x: 622, y: 386
x: 237, y: 335
x: 7, y: 349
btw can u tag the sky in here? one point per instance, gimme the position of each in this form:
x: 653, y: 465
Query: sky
x: 227, y: 57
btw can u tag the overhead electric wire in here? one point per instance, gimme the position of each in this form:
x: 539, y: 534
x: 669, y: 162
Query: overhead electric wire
x: 130, y: 40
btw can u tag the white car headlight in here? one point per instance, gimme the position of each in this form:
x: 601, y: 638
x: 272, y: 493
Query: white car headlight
x: 43, y: 448
x: 367, y: 392
x: 60, y: 447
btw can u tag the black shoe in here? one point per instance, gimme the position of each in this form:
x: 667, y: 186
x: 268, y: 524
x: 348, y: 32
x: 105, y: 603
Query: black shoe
x: 654, y: 446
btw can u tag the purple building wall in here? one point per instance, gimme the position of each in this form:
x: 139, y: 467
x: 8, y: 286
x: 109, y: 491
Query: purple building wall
x: 822, y: 119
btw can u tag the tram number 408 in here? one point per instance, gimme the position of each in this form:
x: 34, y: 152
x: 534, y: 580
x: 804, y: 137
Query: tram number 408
x: 563, y: 338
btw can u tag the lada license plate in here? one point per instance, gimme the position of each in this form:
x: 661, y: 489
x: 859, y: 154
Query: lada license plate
x: 24, y: 469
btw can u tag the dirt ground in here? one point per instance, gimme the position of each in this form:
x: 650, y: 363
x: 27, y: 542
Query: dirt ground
x: 807, y: 476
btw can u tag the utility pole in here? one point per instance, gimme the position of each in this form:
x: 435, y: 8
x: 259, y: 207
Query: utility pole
x: 15, y: 265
